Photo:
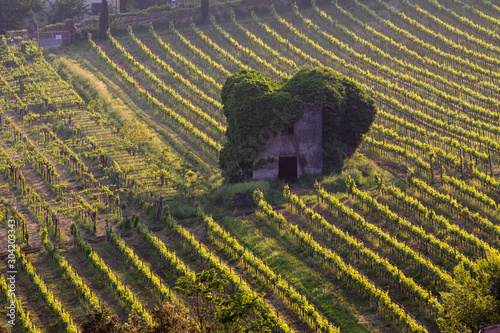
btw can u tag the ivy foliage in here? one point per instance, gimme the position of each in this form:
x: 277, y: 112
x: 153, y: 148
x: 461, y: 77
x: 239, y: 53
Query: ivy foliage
x: 256, y: 106
x: 348, y: 111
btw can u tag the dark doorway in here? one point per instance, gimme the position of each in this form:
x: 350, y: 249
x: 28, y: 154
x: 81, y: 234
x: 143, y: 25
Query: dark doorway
x: 288, y: 168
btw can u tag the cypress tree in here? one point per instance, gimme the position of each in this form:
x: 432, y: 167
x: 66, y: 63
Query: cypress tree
x: 104, y: 18
x: 204, y: 10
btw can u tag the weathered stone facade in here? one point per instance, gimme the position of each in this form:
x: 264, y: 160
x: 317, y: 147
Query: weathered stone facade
x: 296, y: 151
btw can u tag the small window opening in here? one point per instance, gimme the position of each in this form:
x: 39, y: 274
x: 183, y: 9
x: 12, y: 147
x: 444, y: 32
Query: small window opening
x: 288, y: 131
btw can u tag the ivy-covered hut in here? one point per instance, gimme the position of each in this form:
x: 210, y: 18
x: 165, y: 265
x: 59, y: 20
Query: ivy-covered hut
x: 310, y: 122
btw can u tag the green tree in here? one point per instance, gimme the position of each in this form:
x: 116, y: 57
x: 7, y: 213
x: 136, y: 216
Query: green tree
x: 135, y: 134
x: 104, y: 18
x: 67, y: 9
x: 473, y: 298
x: 243, y: 313
x: 215, y: 310
x: 204, y: 291
x: 14, y: 12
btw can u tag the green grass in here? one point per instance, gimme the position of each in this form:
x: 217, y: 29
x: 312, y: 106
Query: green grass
x: 362, y: 170
x: 300, y: 270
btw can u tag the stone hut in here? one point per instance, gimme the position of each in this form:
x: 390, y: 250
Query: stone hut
x: 296, y: 151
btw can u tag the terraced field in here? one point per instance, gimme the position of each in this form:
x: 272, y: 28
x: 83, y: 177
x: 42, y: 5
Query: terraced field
x: 94, y: 136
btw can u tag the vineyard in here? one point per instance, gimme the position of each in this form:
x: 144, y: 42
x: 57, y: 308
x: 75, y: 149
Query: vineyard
x: 109, y: 168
